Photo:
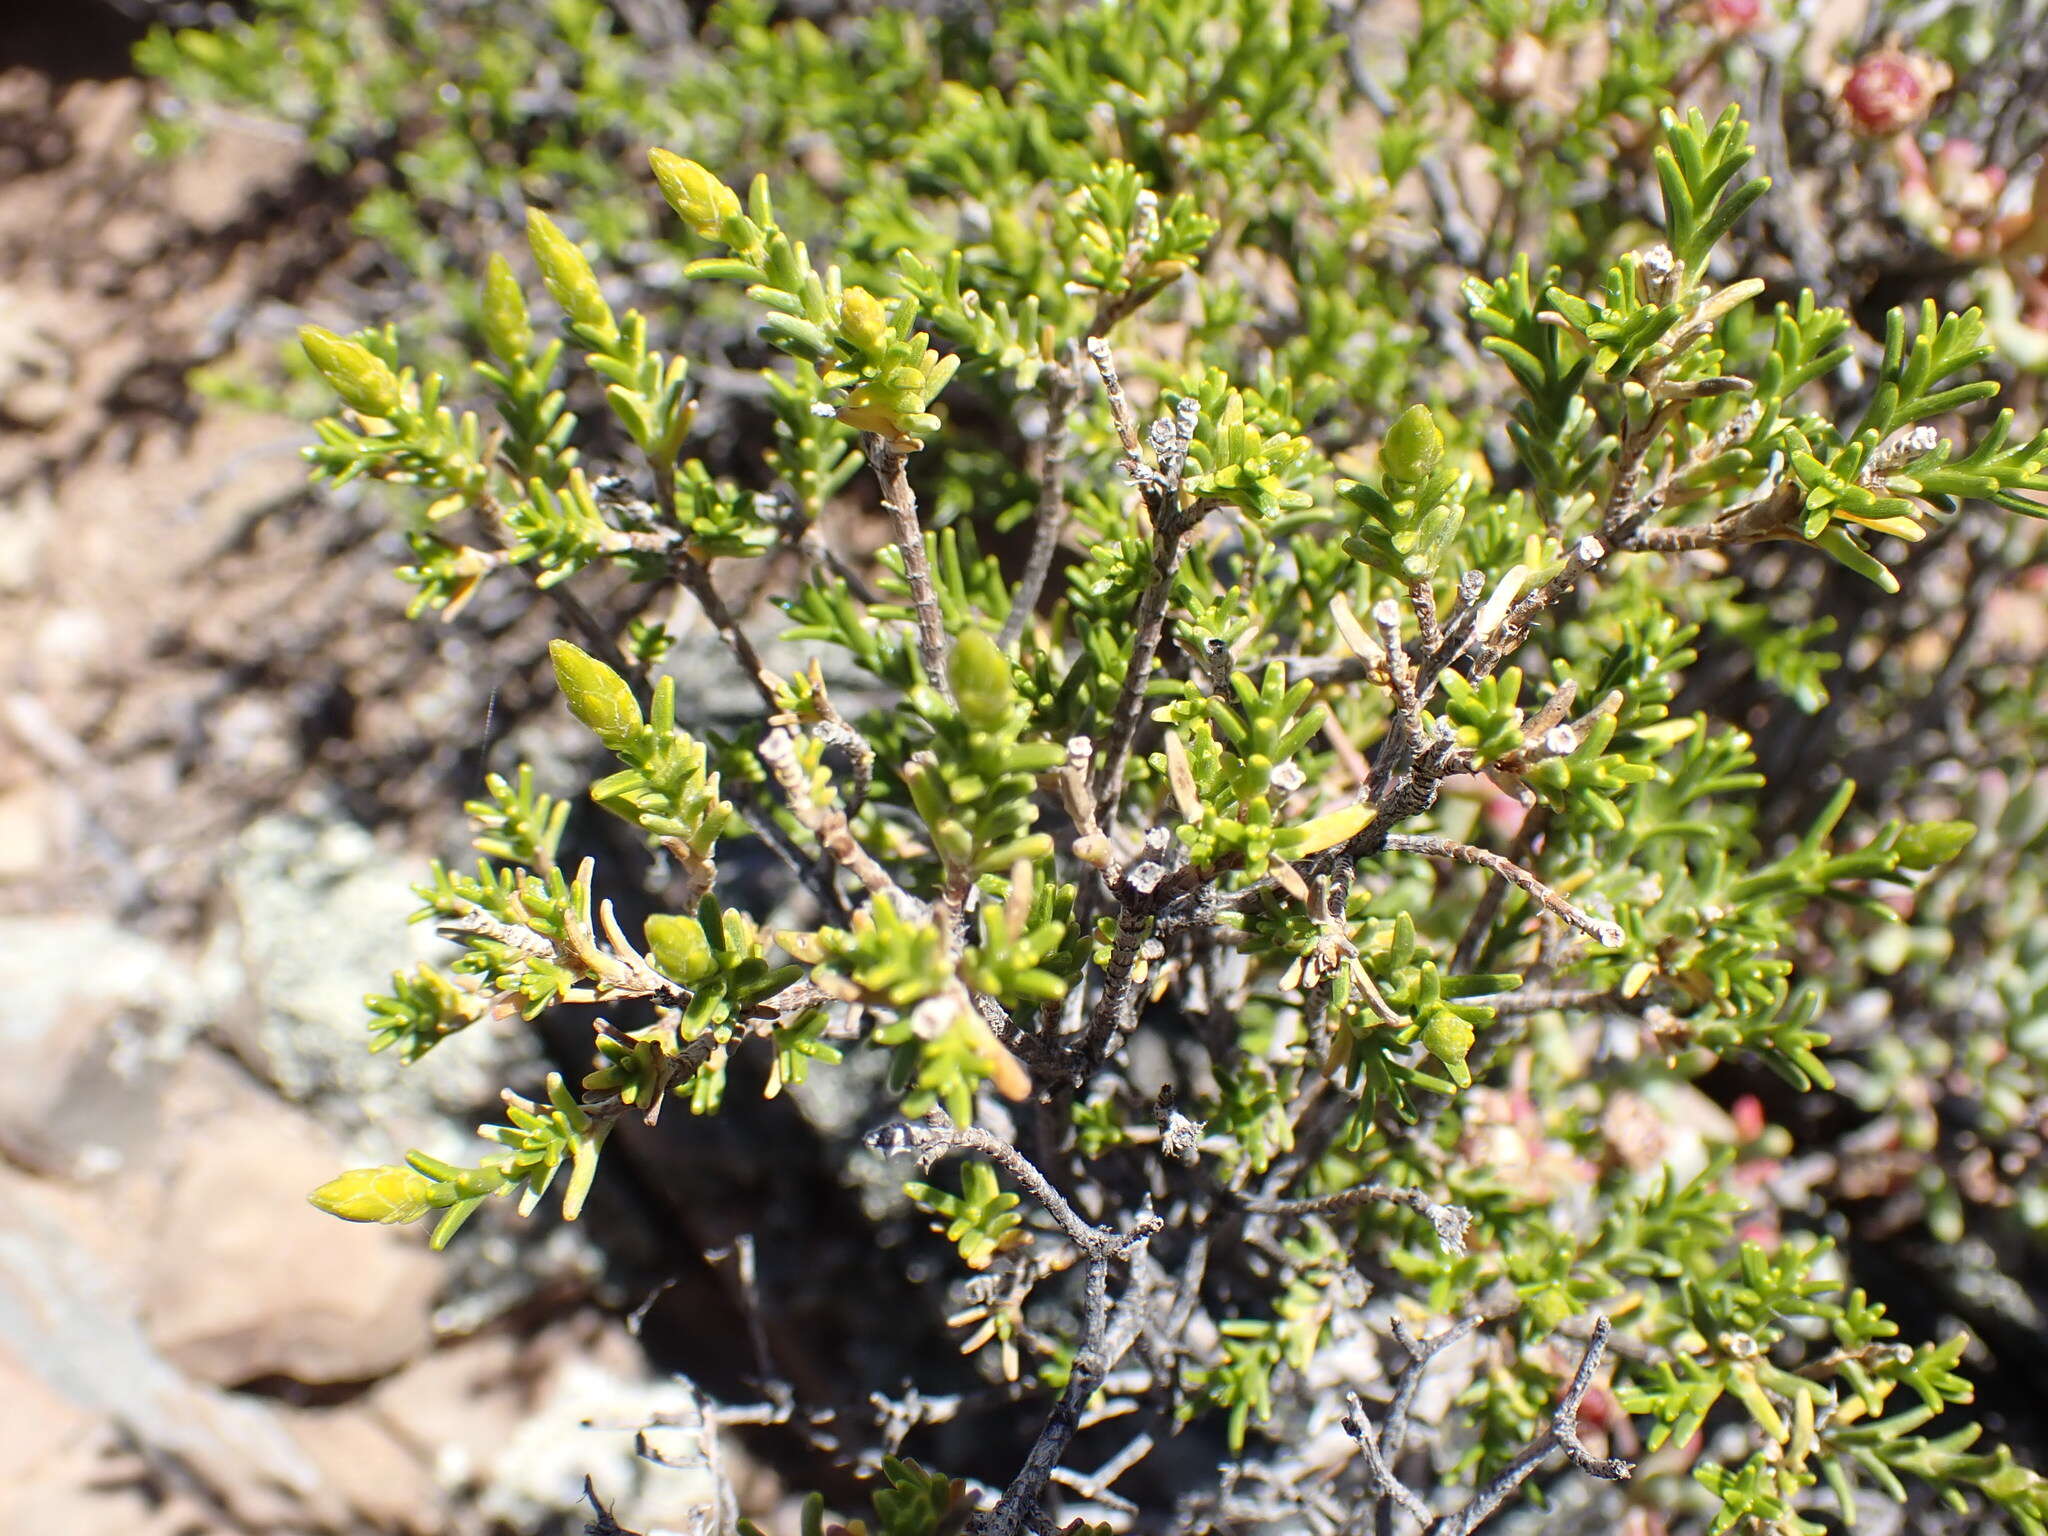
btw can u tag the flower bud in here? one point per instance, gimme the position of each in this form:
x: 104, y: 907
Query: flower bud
x: 1888, y: 90
x: 980, y: 675
x: 566, y: 271
x: 596, y: 695
x: 362, y: 379
x: 1732, y: 18
x: 389, y: 1195
x: 1413, y: 447
x: 699, y: 198
x: 863, y: 319
x: 507, y: 331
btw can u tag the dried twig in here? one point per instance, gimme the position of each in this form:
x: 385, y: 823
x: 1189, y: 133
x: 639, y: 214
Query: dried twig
x: 827, y: 824
x: 1062, y: 391
x: 1563, y: 1434
x: 1172, y: 523
x: 1381, y: 1476
x: 901, y: 504
x: 936, y: 1136
x: 1451, y: 1222
x: 1601, y: 930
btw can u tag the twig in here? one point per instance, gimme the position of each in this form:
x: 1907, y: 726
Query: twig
x: 604, y: 1524
x: 1520, y: 1003
x: 1095, y: 1485
x: 1113, y: 1003
x: 1172, y: 523
x: 1384, y: 1483
x: 936, y: 1136
x: 1062, y: 390
x: 695, y: 578
x: 1495, y: 1305
x: 828, y: 825
x: 1105, y: 1337
x: 901, y: 505
x: 1480, y: 923
x: 595, y: 635
x: 1563, y: 1434
x: 1601, y: 930
x: 1583, y: 556
x: 1451, y: 1222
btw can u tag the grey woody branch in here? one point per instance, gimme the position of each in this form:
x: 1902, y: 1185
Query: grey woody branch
x: 1452, y: 1222
x: 900, y: 503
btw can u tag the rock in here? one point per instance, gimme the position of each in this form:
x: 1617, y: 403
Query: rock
x: 584, y: 1426
x: 36, y: 367
x: 28, y: 519
x: 322, y: 914
x: 458, y: 1404
x: 31, y: 830
x: 65, y: 1323
x: 373, y: 1470
x: 37, y: 1424
x: 77, y: 1073
x: 248, y: 1280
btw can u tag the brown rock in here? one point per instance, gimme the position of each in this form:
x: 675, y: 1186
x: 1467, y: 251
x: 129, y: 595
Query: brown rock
x: 248, y: 1280
x: 459, y: 1404
x: 36, y: 1424
x: 366, y: 1463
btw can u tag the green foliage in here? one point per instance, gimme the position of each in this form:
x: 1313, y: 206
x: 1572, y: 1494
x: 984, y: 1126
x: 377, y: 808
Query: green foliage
x: 981, y: 1221
x: 1368, y: 771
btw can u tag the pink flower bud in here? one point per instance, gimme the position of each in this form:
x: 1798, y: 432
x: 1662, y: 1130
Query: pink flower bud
x: 1732, y: 18
x: 1888, y: 90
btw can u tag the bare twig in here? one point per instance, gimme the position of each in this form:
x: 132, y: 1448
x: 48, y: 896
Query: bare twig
x: 1062, y: 391
x: 1480, y: 923
x: 1384, y: 1483
x: 1113, y: 1004
x: 1528, y: 1000
x: 695, y: 578
x: 1096, y: 1485
x: 604, y: 1524
x: 828, y: 825
x: 936, y: 1136
x: 1172, y: 523
x: 1106, y: 1337
x: 1563, y: 1434
x: 1451, y: 1222
x: 901, y: 505
x: 1493, y: 1306
x: 1601, y: 930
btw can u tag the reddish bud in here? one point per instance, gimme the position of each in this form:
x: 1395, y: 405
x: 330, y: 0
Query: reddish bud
x: 1888, y: 90
x: 1732, y: 18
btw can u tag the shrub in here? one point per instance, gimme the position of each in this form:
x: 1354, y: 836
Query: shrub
x: 1291, y: 879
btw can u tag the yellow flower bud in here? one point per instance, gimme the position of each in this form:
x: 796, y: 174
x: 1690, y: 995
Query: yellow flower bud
x: 566, y: 271
x: 699, y: 198
x: 862, y: 318
x: 362, y: 379
x: 679, y: 949
x: 507, y: 331
x: 390, y: 1195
